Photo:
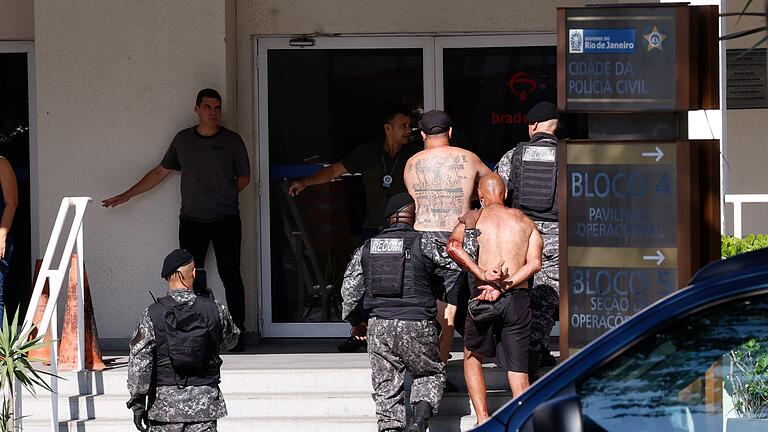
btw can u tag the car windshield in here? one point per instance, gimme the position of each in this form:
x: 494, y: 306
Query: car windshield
x: 703, y: 372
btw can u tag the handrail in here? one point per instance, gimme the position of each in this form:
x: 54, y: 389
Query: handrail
x: 55, y: 278
x: 737, y: 200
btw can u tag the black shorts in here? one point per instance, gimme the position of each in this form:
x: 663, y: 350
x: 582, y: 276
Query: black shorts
x: 507, y: 339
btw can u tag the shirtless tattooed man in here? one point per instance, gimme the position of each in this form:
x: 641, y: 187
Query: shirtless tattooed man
x: 441, y: 180
x: 509, y: 252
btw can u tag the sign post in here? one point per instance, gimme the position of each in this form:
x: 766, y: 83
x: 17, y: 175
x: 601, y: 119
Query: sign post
x: 637, y: 217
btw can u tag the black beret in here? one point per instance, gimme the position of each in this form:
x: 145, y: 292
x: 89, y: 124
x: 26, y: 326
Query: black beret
x: 435, y: 122
x: 174, y: 260
x: 397, y: 202
x: 541, y: 112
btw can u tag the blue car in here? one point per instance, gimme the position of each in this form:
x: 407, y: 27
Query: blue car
x: 696, y: 361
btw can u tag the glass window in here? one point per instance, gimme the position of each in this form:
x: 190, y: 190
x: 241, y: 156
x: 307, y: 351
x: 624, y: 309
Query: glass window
x: 691, y: 376
x: 323, y: 103
x: 488, y: 92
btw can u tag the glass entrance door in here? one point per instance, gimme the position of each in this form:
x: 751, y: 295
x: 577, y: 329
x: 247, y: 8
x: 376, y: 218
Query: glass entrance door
x: 316, y: 104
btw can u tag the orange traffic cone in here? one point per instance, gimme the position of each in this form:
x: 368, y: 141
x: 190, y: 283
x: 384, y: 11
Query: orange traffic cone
x: 44, y: 352
x: 68, y: 347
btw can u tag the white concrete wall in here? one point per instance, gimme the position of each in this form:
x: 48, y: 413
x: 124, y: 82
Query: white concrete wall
x: 17, y: 20
x: 747, y: 130
x: 115, y: 81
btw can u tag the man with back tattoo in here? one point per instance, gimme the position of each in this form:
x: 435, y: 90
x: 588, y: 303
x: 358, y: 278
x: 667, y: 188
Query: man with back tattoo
x: 441, y: 179
x: 508, y: 252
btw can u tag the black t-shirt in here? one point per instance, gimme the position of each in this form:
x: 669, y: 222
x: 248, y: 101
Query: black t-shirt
x: 208, y: 168
x: 374, y: 163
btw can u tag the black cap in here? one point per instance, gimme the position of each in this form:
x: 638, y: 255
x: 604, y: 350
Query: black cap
x: 397, y: 203
x: 174, y: 260
x: 541, y: 112
x: 435, y: 122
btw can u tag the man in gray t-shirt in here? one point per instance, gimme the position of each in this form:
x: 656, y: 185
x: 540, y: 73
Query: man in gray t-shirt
x: 214, y: 168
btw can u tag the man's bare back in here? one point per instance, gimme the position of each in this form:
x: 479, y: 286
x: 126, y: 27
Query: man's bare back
x: 505, y: 234
x: 441, y: 181
x: 509, y: 245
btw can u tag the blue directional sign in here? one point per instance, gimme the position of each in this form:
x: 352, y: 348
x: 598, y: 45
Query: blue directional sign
x: 621, y: 231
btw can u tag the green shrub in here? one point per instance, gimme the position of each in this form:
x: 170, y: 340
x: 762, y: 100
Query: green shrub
x: 731, y: 246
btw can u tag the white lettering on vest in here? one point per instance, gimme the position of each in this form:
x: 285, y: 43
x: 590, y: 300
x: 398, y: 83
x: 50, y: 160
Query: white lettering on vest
x: 386, y: 246
x: 539, y: 154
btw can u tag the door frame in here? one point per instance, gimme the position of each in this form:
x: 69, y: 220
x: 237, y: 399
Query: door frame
x: 28, y: 47
x: 261, y: 48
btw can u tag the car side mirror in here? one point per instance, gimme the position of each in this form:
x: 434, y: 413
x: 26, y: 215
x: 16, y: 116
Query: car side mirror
x: 562, y: 414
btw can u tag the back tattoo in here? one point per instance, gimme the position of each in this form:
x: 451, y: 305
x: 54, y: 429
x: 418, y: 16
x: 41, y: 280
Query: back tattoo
x: 438, y: 186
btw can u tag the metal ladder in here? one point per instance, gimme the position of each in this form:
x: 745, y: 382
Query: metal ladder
x: 55, y: 278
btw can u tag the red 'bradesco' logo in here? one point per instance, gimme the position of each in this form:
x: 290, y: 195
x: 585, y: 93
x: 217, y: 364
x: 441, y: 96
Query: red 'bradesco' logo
x: 521, y: 85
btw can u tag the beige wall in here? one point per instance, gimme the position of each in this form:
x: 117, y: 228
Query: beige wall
x: 115, y: 81
x: 17, y: 20
x: 747, y: 129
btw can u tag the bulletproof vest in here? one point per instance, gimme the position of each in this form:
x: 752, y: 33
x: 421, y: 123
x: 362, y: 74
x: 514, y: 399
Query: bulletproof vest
x: 396, y: 276
x: 533, y: 182
x: 207, y: 316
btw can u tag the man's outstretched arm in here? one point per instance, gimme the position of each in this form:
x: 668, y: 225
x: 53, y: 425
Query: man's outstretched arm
x: 323, y: 176
x: 150, y: 180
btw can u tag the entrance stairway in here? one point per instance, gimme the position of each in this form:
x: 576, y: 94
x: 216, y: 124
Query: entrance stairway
x: 297, y: 387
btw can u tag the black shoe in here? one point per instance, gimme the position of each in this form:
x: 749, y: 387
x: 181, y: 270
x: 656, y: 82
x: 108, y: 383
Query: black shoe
x: 449, y: 387
x: 240, y: 347
x: 352, y: 344
x: 418, y: 424
x: 422, y: 411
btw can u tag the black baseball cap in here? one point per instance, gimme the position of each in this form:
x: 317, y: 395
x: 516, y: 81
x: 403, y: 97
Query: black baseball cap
x: 435, y: 122
x: 397, y: 203
x: 174, y: 260
x: 541, y: 112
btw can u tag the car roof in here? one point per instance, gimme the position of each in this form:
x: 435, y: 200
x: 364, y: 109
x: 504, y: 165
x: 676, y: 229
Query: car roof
x: 719, y: 281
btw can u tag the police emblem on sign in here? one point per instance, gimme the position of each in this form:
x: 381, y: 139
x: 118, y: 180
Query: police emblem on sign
x: 539, y: 154
x: 576, y: 41
x: 386, y: 246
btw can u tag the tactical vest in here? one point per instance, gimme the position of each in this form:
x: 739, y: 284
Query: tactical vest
x: 164, y: 372
x: 533, y: 181
x: 397, y: 276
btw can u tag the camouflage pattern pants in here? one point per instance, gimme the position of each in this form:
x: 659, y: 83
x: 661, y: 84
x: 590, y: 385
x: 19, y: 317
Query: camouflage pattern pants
x: 395, y: 346
x: 545, y: 293
x: 205, y: 426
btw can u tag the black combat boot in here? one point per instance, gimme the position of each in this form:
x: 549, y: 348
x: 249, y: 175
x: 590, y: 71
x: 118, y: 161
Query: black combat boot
x: 422, y: 411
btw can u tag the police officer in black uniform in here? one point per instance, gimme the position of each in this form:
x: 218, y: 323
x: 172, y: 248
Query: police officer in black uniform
x: 174, y: 388
x: 530, y: 173
x: 391, y: 277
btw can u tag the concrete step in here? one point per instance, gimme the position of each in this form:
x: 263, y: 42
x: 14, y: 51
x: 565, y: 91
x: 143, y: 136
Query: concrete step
x: 245, y: 405
x: 264, y: 381
x: 261, y: 424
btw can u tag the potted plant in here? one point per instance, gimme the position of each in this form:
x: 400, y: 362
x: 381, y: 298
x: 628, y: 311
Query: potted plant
x: 15, y: 364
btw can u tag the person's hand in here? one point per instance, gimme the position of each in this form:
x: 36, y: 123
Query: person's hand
x: 2, y: 245
x: 296, y: 187
x: 469, y: 219
x: 116, y: 200
x: 360, y: 331
x: 489, y: 293
x: 141, y: 419
x: 496, y: 273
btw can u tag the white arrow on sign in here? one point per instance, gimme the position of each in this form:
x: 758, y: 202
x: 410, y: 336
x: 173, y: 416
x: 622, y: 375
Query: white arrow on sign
x: 659, y: 257
x: 658, y: 154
